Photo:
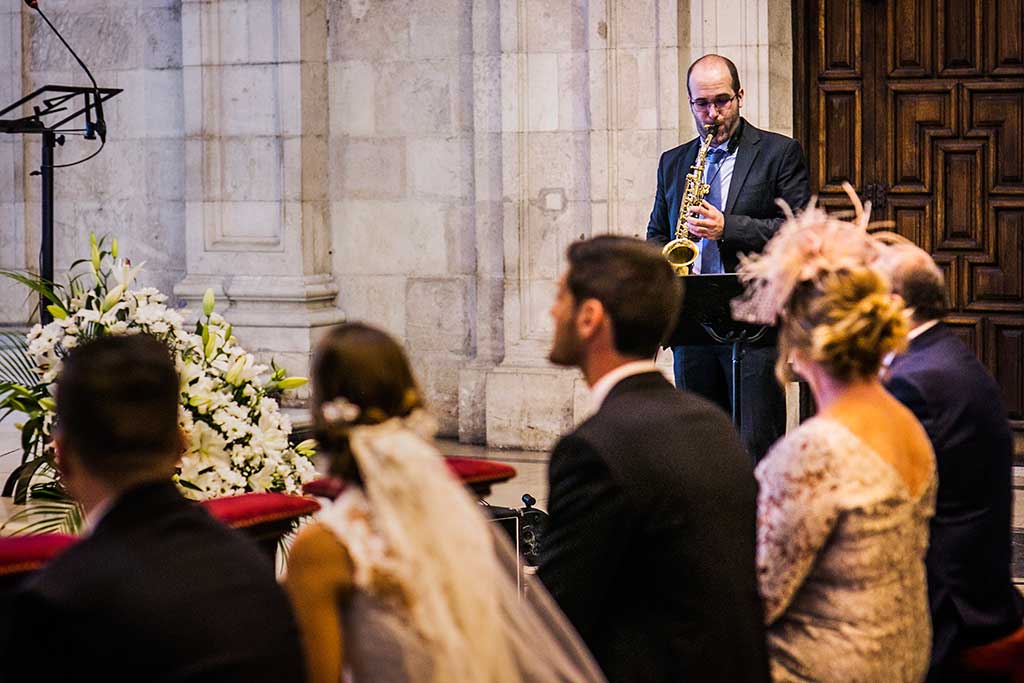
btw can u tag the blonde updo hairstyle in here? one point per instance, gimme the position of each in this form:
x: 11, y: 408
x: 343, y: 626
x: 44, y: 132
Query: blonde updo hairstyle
x: 365, y: 371
x: 847, y: 321
x: 817, y: 281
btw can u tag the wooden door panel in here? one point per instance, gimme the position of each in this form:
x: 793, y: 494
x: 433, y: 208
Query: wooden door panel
x: 920, y: 112
x: 959, y: 219
x: 995, y: 112
x: 920, y: 105
x: 1006, y: 38
x: 995, y: 281
x: 839, y: 143
x: 960, y: 27
x: 910, y: 28
x: 949, y: 264
x: 1006, y: 348
x: 839, y: 39
x: 912, y: 218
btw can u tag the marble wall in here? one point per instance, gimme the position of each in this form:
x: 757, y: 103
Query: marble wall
x: 135, y: 188
x: 419, y: 164
x: 14, y: 248
x: 410, y: 248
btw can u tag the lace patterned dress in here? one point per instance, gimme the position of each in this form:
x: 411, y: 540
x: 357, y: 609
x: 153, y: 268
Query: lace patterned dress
x: 379, y: 643
x: 841, y: 544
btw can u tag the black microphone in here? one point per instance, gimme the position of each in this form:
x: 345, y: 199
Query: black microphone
x: 91, y: 129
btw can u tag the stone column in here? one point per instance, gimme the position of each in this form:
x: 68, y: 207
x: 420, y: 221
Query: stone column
x: 257, y: 215
x: 758, y: 36
x: 588, y: 101
x: 14, y: 305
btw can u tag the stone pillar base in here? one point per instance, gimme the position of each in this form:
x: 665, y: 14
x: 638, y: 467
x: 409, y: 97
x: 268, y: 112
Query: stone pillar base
x: 531, y: 406
x: 274, y: 317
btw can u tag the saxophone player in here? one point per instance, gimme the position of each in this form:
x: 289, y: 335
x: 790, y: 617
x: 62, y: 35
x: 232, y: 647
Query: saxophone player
x: 746, y: 170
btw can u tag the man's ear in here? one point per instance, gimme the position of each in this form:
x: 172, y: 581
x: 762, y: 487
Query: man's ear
x: 184, y: 443
x: 64, y: 462
x: 589, y: 318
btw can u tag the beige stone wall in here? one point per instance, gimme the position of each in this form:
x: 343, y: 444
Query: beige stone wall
x: 14, y: 249
x: 403, y: 186
x: 757, y: 35
x: 135, y: 188
x: 419, y: 164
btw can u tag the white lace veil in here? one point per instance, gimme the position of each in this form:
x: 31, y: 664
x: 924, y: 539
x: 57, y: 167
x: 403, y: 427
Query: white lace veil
x: 455, y: 568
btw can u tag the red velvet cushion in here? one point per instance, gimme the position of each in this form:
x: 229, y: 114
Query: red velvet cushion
x: 466, y: 470
x: 249, y: 509
x: 1004, y: 656
x: 327, y: 487
x: 20, y: 554
x: 476, y: 471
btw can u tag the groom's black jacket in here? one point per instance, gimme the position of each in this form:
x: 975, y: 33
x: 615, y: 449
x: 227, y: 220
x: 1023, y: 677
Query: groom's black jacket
x: 159, y: 592
x: 650, y: 546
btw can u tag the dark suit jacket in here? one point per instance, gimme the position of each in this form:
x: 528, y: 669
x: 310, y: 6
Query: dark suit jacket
x: 649, y: 549
x: 159, y: 592
x: 768, y: 166
x: 959, y: 403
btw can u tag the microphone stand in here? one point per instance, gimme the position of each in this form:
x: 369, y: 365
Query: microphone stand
x: 51, y: 136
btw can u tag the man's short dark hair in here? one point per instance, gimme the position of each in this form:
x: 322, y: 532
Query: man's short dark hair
x: 733, y: 73
x: 923, y: 290
x: 634, y: 284
x: 117, y: 405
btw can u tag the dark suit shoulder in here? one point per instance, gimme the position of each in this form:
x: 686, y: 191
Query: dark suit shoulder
x: 646, y: 427
x: 938, y: 364
x: 677, y: 153
x: 160, y: 581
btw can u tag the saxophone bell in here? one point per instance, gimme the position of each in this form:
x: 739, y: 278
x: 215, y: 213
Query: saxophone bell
x: 682, y: 251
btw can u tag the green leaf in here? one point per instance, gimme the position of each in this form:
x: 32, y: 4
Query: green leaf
x: 15, y: 363
x: 37, y: 284
x: 57, y: 516
x: 24, y: 474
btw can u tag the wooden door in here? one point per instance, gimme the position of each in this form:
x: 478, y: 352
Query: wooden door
x: 919, y: 104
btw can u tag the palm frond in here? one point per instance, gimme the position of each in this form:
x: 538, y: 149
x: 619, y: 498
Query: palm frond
x: 63, y: 517
x: 37, y: 284
x: 15, y: 364
x: 19, y: 484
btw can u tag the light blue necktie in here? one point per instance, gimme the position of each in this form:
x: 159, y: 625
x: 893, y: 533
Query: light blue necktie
x: 710, y: 258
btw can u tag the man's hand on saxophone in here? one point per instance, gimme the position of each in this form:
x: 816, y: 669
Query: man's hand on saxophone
x: 706, y: 221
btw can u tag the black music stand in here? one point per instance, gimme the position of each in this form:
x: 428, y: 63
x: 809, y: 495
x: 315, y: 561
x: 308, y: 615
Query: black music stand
x: 706, y: 320
x: 54, y: 111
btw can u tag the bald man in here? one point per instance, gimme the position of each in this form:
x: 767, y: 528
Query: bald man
x: 747, y: 169
x: 972, y: 597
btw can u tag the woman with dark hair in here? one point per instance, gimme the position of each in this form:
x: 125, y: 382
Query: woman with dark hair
x: 845, y: 500
x: 402, y: 578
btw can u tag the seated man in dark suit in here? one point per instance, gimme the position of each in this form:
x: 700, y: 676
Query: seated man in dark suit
x: 157, y: 590
x: 649, y: 549
x: 972, y: 598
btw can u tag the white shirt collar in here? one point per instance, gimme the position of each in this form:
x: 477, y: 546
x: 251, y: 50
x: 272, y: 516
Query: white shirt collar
x: 921, y: 329
x: 599, y: 392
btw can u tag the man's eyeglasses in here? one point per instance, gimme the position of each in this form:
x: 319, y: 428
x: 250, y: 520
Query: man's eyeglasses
x: 720, y: 102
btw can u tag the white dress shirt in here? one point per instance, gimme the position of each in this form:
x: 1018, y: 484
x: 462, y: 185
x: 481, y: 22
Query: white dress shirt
x: 725, y: 169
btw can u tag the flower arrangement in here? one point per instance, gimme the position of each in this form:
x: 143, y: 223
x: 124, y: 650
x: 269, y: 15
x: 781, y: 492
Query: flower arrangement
x: 236, y: 435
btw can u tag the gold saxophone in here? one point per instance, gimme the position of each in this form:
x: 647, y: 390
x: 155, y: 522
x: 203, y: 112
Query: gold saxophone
x: 682, y: 252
